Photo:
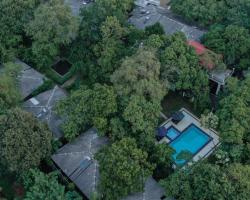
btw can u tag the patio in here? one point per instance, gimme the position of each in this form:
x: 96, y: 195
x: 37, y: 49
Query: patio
x: 183, y: 124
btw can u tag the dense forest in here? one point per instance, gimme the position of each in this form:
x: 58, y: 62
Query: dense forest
x: 123, y: 75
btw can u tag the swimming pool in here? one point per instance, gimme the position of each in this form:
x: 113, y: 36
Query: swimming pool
x: 191, y: 140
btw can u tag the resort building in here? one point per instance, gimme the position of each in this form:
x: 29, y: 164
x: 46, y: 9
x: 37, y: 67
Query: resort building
x: 76, y: 161
x: 185, y: 134
x: 29, y: 79
x: 207, y: 57
x: 42, y: 107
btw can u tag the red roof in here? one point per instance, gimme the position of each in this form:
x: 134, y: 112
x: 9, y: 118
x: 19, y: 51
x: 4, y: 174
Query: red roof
x: 199, y: 48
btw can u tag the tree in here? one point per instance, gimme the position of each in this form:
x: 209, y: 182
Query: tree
x: 83, y: 52
x: 139, y: 75
x: 155, y: 29
x: 210, y: 12
x: 209, y: 120
x: 88, y: 107
x: 14, y: 16
x: 109, y: 50
x: 19, y: 129
x: 204, y: 13
x: 9, y: 93
x: 130, y: 172
x: 142, y: 114
x: 233, y: 42
x: 180, y: 70
x: 239, y: 175
x: 41, y: 186
x: 161, y: 156
x: 203, y: 181
x: 234, y: 120
x: 53, y: 25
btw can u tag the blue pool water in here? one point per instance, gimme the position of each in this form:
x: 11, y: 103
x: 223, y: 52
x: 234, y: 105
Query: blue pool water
x: 192, y: 140
x: 172, y: 133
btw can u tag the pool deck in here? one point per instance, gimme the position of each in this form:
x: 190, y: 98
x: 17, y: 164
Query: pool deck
x: 188, y: 119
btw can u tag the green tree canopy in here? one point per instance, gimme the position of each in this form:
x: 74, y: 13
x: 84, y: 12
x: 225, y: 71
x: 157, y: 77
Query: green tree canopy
x: 233, y: 42
x: 201, y: 182
x: 130, y: 171
x: 53, y: 25
x: 88, y: 107
x: 14, y: 16
x: 180, y: 69
x: 234, y: 114
x: 234, y: 120
x: 40, y: 186
x: 209, y: 182
x: 210, y: 12
x: 24, y: 141
x: 139, y: 75
x: 109, y: 50
x: 9, y: 93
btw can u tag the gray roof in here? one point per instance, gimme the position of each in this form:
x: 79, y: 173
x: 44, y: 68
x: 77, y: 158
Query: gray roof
x: 70, y: 157
x: 75, y: 6
x: 29, y: 79
x: 144, y: 3
x: 220, y: 76
x: 152, y: 191
x: 42, y: 107
x: 169, y: 22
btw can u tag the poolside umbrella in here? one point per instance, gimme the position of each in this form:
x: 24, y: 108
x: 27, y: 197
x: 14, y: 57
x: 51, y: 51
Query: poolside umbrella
x: 161, y: 132
x: 177, y: 117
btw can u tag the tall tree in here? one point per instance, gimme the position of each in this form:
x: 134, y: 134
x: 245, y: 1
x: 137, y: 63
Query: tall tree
x: 24, y: 141
x: 9, y: 93
x: 203, y: 12
x: 233, y: 42
x: 53, y: 25
x: 88, y: 107
x: 211, y: 12
x: 139, y: 75
x: 109, y: 50
x: 181, y: 71
x: 202, y: 182
x: 41, y: 186
x: 234, y: 118
x: 130, y: 172
x: 14, y: 16
x: 209, y: 182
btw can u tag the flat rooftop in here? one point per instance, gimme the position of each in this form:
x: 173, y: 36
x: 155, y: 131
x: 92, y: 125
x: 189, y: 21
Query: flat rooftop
x: 183, y: 124
x: 147, y: 15
x: 42, y: 107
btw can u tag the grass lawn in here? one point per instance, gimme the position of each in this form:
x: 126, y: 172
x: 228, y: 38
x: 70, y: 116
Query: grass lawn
x: 173, y: 102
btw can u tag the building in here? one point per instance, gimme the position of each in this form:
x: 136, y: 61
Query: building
x: 42, y: 107
x: 152, y: 191
x: 76, y: 5
x: 218, y: 77
x: 76, y: 161
x: 29, y: 79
